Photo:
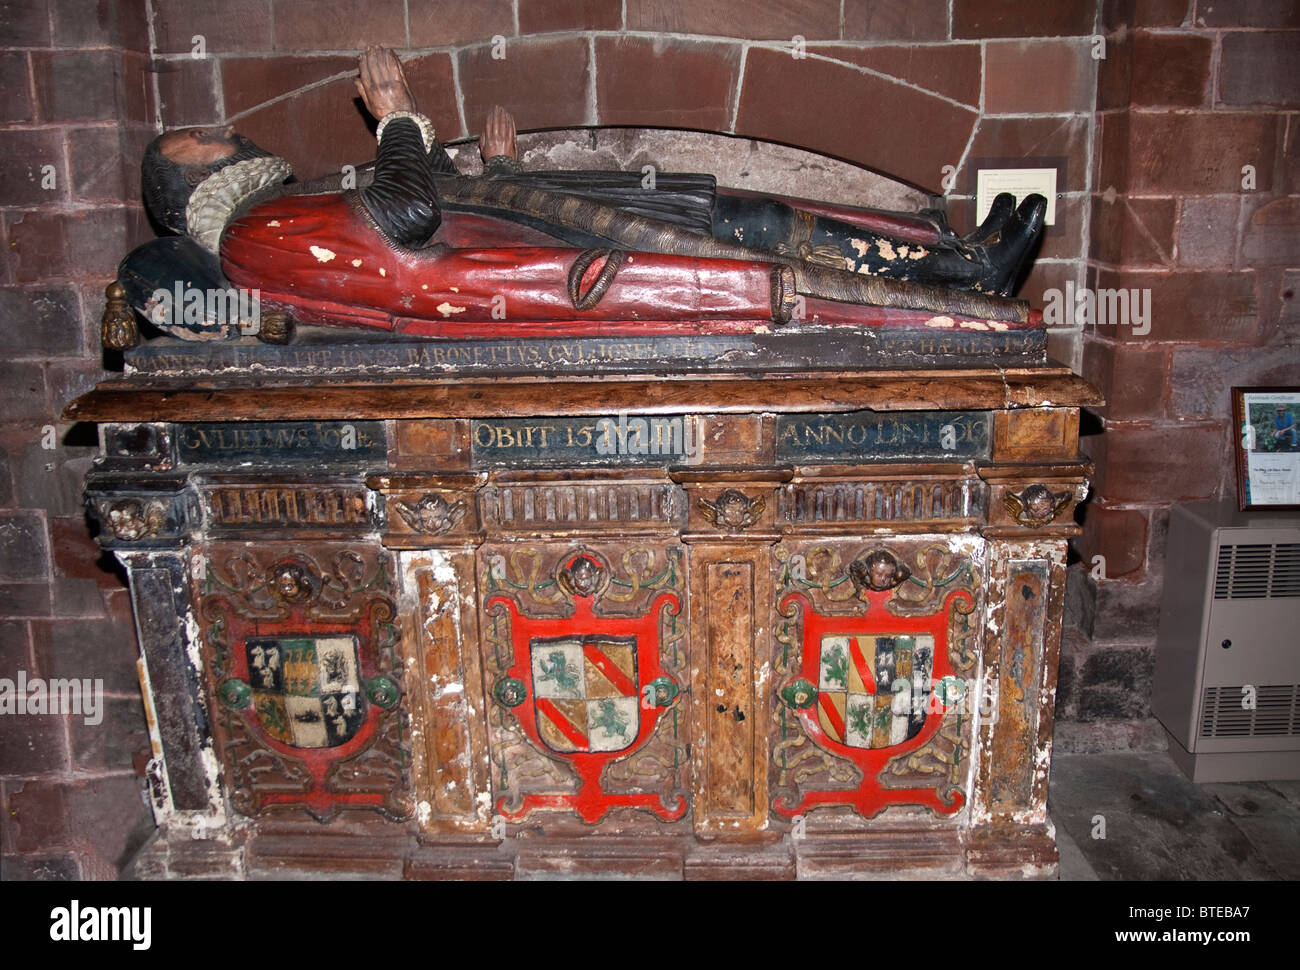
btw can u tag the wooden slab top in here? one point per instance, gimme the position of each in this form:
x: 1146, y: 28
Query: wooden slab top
x: 361, y: 398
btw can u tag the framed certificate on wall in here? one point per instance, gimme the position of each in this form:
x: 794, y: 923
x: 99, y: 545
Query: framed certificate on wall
x: 1268, y: 447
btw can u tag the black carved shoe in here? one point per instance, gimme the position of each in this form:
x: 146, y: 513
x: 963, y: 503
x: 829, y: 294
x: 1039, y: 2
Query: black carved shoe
x: 1003, y: 205
x: 1015, y: 242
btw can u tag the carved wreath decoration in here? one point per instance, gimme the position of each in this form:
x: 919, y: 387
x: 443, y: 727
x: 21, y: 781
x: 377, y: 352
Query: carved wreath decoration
x: 131, y: 519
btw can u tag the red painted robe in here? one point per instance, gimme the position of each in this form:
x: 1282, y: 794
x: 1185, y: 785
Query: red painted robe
x: 324, y: 258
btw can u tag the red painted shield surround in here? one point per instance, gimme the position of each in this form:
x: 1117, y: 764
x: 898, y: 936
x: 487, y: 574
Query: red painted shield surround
x: 318, y: 799
x: 870, y: 797
x: 591, y: 802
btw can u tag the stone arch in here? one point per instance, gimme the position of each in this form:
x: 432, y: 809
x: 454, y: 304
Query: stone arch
x: 868, y: 106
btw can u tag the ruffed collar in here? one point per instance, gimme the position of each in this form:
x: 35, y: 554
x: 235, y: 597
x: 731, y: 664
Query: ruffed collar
x: 215, y: 199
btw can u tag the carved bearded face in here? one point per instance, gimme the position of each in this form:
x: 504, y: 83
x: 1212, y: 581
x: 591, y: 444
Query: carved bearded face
x: 175, y: 163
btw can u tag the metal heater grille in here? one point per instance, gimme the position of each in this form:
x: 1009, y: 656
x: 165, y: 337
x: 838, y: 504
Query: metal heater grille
x: 1257, y: 571
x: 1276, y: 713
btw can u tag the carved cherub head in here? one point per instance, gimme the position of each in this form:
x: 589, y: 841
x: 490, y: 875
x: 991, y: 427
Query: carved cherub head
x: 431, y: 512
x: 432, y: 515
x: 733, y: 510
x: 584, y: 575
x: 877, y: 571
x: 1037, y: 504
x: 291, y: 582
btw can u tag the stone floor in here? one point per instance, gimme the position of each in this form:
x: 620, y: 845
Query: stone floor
x: 1159, y: 825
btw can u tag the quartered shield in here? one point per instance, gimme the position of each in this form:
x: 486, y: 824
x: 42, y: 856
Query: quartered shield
x: 874, y: 690
x: 306, y: 690
x: 585, y: 692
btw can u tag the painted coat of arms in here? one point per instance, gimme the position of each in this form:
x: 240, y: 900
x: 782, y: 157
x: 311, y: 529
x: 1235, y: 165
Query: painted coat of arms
x: 303, y: 662
x: 873, y: 691
x: 306, y: 691
x: 585, y: 671
x: 874, y: 661
x: 585, y: 692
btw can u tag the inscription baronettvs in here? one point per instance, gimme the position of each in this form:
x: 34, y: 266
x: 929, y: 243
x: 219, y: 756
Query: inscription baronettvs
x: 582, y: 355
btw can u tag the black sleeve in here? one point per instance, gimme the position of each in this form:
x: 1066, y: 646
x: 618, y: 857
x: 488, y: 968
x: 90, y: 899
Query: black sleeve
x: 403, y: 197
x: 441, y: 161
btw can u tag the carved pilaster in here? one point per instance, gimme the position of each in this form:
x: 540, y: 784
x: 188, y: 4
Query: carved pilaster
x: 731, y: 524
x: 433, y: 519
x: 1022, y: 641
x: 184, y: 785
x: 448, y: 704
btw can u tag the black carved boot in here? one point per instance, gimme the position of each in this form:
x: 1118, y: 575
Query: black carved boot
x: 1015, y: 242
x: 1003, y: 205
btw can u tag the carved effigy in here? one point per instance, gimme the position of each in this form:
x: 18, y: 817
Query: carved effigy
x: 586, y: 654
x: 419, y: 249
x: 302, y: 656
x: 875, y: 661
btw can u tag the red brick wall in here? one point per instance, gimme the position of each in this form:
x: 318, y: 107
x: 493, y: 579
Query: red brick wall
x: 77, y: 107
x: 1194, y: 100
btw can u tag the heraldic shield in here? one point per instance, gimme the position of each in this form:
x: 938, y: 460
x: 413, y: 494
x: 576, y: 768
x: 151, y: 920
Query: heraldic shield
x: 874, y: 691
x: 585, y: 692
x: 302, y: 662
x: 873, y: 677
x: 586, y: 689
x: 306, y: 690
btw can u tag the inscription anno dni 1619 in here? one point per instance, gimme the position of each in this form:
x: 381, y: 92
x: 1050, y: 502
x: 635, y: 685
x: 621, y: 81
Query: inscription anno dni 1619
x: 621, y: 439
x: 875, y: 436
x: 309, y: 441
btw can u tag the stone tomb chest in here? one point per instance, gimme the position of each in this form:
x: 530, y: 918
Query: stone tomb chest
x: 774, y: 602
x: 729, y: 624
